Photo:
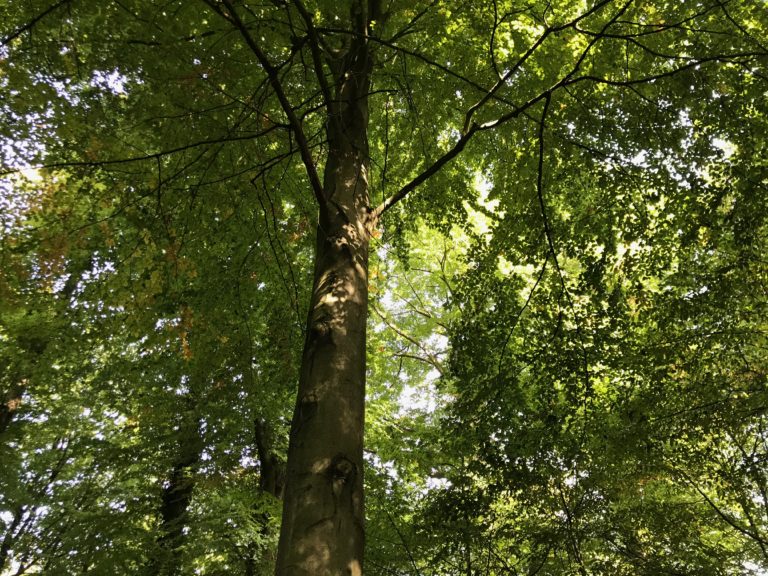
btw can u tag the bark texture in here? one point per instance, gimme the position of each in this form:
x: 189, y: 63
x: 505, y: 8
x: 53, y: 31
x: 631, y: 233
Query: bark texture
x: 322, y: 532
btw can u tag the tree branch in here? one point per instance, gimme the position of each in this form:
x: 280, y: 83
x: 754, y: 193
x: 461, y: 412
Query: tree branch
x: 314, y: 47
x: 155, y: 155
x: 725, y: 517
x: 443, y: 68
x: 551, y: 244
x: 730, y: 58
x: 430, y: 359
x: 428, y: 173
x: 29, y: 25
x: 528, y: 53
x: 232, y: 16
x: 503, y: 119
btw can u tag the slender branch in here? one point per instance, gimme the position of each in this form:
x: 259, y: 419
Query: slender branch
x: 233, y: 17
x: 540, y: 185
x: 492, y: 40
x: 452, y: 153
x: 570, y: 530
x: 155, y: 155
x: 728, y: 58
x: 520, y: 314
x: 29, y: 25
x: 564, y: 81
x: 474, y: 128
x: 428, y: 173
x: 404, y: 542
x: 408, y: 28
x: 551, y: 243
x: 528, y: 53
x: 314, y: 47
x: 423, y: 310
x: 651, y: 29
x: 431, y: 359
x: 10, y: 535
x: 419, y: 56
x: 741, y: 496
x: 740, y: 26
x: 726, y: 518
x: 276, y: 240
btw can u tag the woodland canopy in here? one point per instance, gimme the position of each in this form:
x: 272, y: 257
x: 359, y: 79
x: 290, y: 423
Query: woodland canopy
x: 424, y: 287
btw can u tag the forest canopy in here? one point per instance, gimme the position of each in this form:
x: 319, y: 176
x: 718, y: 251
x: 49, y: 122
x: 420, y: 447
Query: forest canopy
x: 370, y: 286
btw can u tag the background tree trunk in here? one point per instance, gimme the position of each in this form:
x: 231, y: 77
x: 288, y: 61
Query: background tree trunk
x: 261, y: 558
x: 9, y: 404
x: 177, y: 495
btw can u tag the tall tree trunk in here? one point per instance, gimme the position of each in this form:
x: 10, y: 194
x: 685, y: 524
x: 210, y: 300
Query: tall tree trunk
x: 322, y: 530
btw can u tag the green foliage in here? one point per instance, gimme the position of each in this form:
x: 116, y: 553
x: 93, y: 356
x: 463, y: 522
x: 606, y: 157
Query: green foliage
x: 566, y: 343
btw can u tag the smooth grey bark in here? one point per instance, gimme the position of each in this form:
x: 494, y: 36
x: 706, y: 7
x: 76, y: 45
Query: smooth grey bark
x: 322, y: 531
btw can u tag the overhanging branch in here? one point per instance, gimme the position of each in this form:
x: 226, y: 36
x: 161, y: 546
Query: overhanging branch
x: 154, y: 155
x: 29, y: 25
x: 528, y: 53
x: 472, y: 128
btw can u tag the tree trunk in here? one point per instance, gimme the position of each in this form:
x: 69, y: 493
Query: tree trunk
x: 11, y: 400
x: 177, y: 495
x: 271, y: 467
x: 260, y: 559
x: 322, y: 529
x: 10, y: 536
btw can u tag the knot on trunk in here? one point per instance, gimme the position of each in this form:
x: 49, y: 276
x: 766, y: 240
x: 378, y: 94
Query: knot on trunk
x: 305, y: 410
x: 342, y: 472
x: 321, y: 327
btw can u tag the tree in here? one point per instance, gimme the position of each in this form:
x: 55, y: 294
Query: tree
x: 182, y: 124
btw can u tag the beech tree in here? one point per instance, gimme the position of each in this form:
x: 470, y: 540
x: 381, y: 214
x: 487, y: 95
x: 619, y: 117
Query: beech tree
x: 194, y: 195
